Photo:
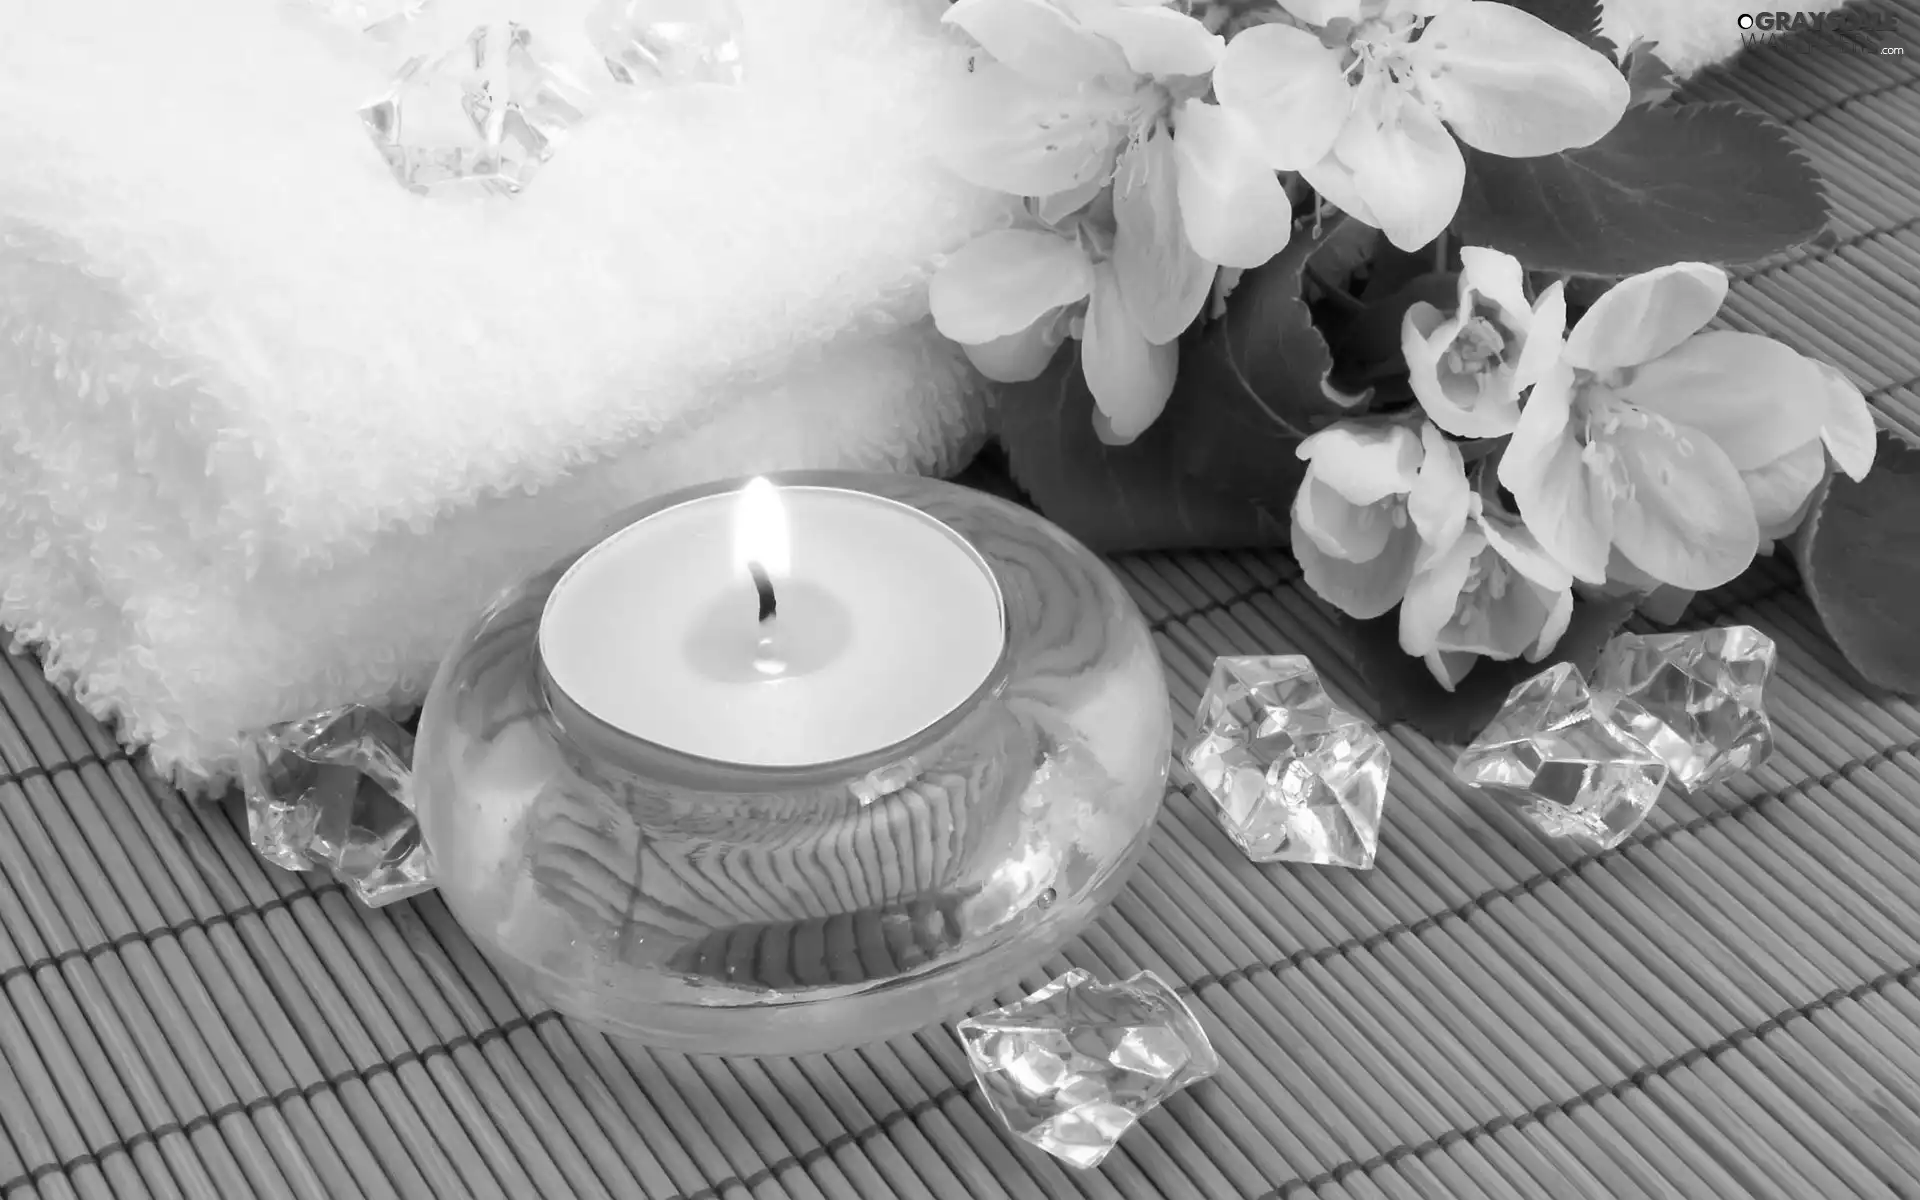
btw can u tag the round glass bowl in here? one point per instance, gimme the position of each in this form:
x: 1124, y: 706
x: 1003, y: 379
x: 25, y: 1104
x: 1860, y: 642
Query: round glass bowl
x: 698, y: 906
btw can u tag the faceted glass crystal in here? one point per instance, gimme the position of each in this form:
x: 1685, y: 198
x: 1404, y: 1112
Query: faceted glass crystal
x: 331, y: 793
x: 1073, y: 1066
x: 378, y: 17
x: 652, y: 42
x: 1554, y: 749
x: 1292, y: 778
x: 1695, y: 699
x: 483, y: 116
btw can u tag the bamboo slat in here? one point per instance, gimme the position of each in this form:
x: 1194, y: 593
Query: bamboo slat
x: 1727, y: 1006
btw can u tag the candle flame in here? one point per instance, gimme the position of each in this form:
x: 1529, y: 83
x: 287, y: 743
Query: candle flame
x: 760, y: 532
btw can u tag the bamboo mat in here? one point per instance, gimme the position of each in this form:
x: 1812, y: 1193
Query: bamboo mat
x: 1728, y: 1006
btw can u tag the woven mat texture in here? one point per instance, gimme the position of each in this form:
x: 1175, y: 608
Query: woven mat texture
x: 1728, y: 1006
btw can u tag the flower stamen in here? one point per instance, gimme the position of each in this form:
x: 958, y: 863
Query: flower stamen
x: 1477, y: 344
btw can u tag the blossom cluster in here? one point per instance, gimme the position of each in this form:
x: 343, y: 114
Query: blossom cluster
x: 1158, y: 148
x: 1147, y: 146
x: 1637, y: 450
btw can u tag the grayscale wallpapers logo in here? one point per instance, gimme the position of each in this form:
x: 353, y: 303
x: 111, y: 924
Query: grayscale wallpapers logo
x: 1762, y: 28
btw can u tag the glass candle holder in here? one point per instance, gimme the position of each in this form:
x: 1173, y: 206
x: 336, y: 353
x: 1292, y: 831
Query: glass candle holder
x: 696, y: 904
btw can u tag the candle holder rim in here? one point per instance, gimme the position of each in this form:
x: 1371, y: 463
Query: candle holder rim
x: 656, y: 760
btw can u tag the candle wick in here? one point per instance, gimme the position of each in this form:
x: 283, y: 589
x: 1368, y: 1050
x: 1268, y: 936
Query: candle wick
x: 763, y: 585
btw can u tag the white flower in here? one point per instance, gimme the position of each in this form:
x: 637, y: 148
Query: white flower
x: 1008, y: 298
x: 1637, y: 439
x: 1469, y: 369
x: 1081, y: 95
x: 1362, y: 107
x: 1494, y: 592
x: 1378, y: 502
x: 1082, y: 92
x: 1782, y: 490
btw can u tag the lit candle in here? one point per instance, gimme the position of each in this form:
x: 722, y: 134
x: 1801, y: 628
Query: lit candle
x: 775, y: 627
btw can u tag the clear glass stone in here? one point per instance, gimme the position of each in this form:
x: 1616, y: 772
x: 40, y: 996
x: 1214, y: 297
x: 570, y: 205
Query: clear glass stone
x: 1555, y: 751
x: 331, y: 793
x: 652, y: 42
x: 481, y: 117
x: 1291, y: 777
x: 378, y: 17
x: 1695, y: 699
x: 1073, y: 1066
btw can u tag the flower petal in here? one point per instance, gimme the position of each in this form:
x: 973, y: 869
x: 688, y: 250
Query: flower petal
x: 1516, y: 543
x: 1361, y: 590
x: 1164, y: 281
x: 1625, y: 579
x: 1496, y: 276
x: 1559, y: 616
x: 1334, y: 182
x: 1780, y: 490
x: 1510, y: 84
x: 1004, y: 281
x: 1498, y: 614
x: 1037, y: 40
x: 1291, y: 86
x: 1364, y: 462
x: 1546, y: 336
x: 1405, y: 164
x: 1435, y: 593
x: 1342, y: 529
x: 1560, y: 498
x: 1754, y: 396
x: 1018, y: 357
x: 1644, y: 316
x: 1849, y: 431
x: 1057, y: 208
x: 1515, y: 622
x: 1427, y: 325
x: 1157, y: 41
x: 1440, y: 499
x: 1009, y: 135
x: 1686, y: 520
x: 1323, y: 12
x: 1130, y: 378
x: 1449, y: 667
x: 1232, y: 205
x: 1413, y: 8
x: 1475, y: 404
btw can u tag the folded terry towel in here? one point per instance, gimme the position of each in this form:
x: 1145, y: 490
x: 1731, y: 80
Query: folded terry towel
x: 271, y: 427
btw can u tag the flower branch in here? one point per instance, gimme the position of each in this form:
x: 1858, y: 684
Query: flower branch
x: 1535, y: 451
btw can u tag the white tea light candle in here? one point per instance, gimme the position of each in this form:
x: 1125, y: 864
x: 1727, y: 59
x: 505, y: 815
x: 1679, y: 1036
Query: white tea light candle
x: 775, y: 627
x: 988, y: 695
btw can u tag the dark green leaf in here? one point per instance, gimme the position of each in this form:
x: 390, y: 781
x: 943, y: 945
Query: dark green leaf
x: 1583, y: 291
x: 1393, y: 269
x: 1253, y: 384
x: 1116, y: 498
x: 1579, y: 19
x: 1704, y: 183
x: 1344, y: 252
x: 1408, y: 693
x: 1859, y: 552
x: 988, y: 473
x: 1369, y: 341
x: 1650, y: 80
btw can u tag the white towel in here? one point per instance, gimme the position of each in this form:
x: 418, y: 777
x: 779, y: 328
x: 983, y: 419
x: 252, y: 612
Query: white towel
x: 272, y: 427
x: 187, y: 649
